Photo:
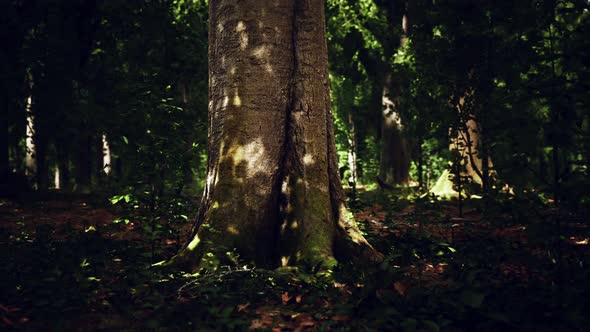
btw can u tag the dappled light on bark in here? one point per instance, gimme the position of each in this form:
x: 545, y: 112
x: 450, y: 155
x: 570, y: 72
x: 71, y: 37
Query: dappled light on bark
x: 30, y: 163
x: 273, y: 193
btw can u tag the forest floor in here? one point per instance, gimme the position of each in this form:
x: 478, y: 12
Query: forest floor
x: 84, y: 264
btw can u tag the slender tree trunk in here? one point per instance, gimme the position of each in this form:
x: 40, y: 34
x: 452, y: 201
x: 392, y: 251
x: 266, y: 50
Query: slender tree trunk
x: 106, y: 156
x: 468, y: 143
x: 485, y: 164
x: 465, y: 139
x: 4, y: 160
x: 542, y: 166
x: 63, y: 164
x: 56, y: 178
x: 188, y: 159
x: 273, y: 194
x: 41, y: 148
x: 395, y: 156
x: 84, y: 161
x: 352, y: 163
x: 31, y: 153
x: 421, y: 183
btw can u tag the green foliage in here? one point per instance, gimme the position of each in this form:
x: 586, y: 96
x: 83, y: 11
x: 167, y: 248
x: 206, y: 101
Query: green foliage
x: 515, y: 269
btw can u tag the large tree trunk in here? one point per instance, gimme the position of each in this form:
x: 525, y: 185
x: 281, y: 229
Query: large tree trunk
x: 273, y: 193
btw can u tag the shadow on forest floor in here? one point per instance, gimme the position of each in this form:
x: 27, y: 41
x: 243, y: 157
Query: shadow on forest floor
x: 71, y: 264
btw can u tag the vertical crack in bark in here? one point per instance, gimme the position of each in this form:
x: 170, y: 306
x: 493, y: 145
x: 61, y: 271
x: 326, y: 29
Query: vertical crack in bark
x: 280, y: 198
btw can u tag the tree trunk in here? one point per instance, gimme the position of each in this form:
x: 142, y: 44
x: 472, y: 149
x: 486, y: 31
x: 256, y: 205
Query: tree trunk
x: 188, y: 159
x: 84, y: 168
x: 421, y: 183
x: 467, y: 142
x: 465, y: 139
x: 352, y: 160
x: 273, y: 194
x: 41, y: 149
x: 106, y: 156
x: 395, y: 159
x: 4, y: 161
x: 63, y: 164
x: 31, y: 154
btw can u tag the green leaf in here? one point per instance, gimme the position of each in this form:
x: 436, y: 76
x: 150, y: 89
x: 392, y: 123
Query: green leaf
x: 472, y: 298
x: 430, y: 326
x: 409, y: 324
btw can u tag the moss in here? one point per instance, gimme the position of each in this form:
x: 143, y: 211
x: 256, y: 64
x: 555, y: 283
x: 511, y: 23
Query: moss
x: 318, y: 227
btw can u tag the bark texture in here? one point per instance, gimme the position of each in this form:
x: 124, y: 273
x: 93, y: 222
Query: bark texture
x: 352, y: 158
x: 273, y: 194
x: 84, y: 161
x: 395, y: 152
x: 467, y: 142
x: 4, y: 162
x: 395, y: 158
x: 31, y: 154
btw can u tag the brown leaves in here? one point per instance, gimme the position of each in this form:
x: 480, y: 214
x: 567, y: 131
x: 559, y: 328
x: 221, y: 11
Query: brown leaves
x: 9, y: 316
x: 373, y: 213
x: 242, y: 307
x: 401, y: 287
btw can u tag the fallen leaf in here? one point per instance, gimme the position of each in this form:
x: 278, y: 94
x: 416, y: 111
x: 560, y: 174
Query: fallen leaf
x: 256, y: 324
x: 400, y: 287
x: 341, y: 318
x: 242, y: 307
x: 285, y: 298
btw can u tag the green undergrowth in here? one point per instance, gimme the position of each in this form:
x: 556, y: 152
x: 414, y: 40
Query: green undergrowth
x: 500, y: 268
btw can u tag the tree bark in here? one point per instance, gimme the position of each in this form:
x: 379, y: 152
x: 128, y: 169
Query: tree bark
x: 106, y: 156
x: 30, y: 155
x: 273, y: 193
x: 84, y: 161
x: 394, y: 165
x: 467, y: 142
x: 4, y: 161
x: 63, y: 148
x: 188, y: 160
x: 352, y: 159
